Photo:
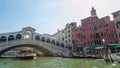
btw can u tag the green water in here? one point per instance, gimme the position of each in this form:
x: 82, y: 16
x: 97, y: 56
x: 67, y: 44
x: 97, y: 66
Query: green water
x: 56, y: 62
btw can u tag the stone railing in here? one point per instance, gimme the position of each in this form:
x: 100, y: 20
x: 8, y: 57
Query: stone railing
x: 49, y: 46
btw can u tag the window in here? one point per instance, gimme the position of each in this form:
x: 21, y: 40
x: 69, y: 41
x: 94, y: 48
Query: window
x: 84, y: 37
x: 69, y: 36
x: 66, y: 41
x: 91, y: 35
x: 66, y: 36
x: 116, y: 35
x: 90, y: 27
x: 118, y: 24
x: 63, y: 39
x: 69, y: 40
x: 101, y: 34
x: 83, y: 30
x: 115, y: 15
x: 68, y: 27
x: 68, y: 31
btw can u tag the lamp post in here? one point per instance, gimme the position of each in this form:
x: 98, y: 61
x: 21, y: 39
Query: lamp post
x: 103, y: 40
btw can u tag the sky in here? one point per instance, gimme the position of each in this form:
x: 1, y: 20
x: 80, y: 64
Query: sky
x: 46, y: 16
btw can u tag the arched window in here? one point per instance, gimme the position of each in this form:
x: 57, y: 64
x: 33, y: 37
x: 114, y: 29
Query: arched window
x: 57, y: 43
x: 37, y: 37
x: 3, y: 39
x: 53, y: 42
x: 43, y: 39
x: 62, y: 44
x: 48, y: 40
x: 10, y: 38
x: 18, y: 36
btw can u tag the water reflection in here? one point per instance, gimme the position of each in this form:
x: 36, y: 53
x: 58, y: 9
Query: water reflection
x: 56, y: 62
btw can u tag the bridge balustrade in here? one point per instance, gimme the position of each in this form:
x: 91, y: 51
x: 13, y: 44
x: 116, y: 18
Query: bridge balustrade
x: 49, y: 46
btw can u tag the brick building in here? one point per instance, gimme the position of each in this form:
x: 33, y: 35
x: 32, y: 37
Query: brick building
x: 93, y: 29
x: 116, y: 16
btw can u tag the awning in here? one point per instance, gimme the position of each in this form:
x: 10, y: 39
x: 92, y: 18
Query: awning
x: 113, y: 45
x: 94, y: 47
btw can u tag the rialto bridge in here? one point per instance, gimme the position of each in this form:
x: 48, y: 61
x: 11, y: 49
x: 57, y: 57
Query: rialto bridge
x: 29, y: 38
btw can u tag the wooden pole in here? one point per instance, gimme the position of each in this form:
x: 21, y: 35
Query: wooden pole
x: 109, y: 52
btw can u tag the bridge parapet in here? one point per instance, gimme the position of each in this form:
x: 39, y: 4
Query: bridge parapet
x: 52, y: 47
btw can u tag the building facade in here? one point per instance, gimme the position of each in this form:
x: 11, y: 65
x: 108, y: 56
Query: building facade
x: 66, y: 33
x: 93, y: 29
x: 116, y: 16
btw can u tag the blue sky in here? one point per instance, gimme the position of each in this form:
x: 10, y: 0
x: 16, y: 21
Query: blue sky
x: 46, y: 16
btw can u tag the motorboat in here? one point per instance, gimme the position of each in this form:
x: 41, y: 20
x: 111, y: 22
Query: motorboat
x: 116, y: 56
x: 26, y: 55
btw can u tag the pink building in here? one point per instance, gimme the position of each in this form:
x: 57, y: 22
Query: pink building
x: 93, y: 30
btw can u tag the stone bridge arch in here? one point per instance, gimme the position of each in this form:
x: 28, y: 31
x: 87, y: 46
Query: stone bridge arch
x: 44, y: 51
x: 29, y: 38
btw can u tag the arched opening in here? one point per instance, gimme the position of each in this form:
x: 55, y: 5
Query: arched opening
x: 37, y: 37
x: 62, y: 44
x: 53, y: 42
x: 43, y: 39
x: 45, y: 52
x: 48, y: 40
x: 28, y: 35
x: 3, y: 39
x: 11, y: 38
x: 18, y: 36
x: 57, y: 43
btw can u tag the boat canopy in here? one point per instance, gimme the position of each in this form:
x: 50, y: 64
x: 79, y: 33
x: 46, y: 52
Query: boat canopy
x: 113, y: 45
x: 94, y: 47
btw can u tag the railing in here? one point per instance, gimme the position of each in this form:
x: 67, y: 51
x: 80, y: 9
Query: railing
x: 49, y: 46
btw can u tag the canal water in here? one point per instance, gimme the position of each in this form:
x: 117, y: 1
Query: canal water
x: 56, y: 62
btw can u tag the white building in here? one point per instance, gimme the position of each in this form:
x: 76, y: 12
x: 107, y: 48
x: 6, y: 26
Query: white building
x: 66, y: 33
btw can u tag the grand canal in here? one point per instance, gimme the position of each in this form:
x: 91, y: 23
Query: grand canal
x: 56, y: 62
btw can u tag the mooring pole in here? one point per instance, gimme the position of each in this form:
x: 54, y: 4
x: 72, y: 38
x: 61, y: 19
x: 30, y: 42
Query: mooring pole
x: 105, y: 51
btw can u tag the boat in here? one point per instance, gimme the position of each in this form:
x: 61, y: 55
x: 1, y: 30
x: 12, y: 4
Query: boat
x: 25, y: 55
x: 116, y: 57
x: 114, y: 52
x: 66, y: 55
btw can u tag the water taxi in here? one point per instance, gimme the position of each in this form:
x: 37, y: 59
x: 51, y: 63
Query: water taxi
x: 25, y: 55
